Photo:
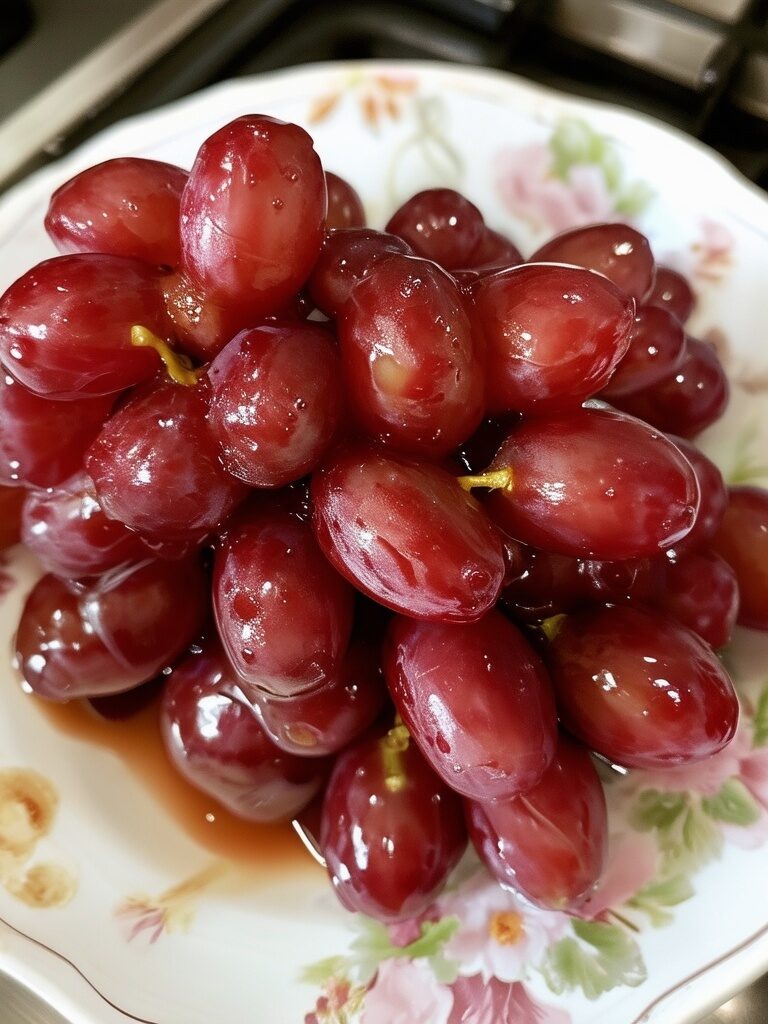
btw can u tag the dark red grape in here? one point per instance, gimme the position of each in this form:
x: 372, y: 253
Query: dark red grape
x: 477, y: 701
x: 391, y: 830
x: 413, y: 372
x: 495, y: 252
x: 554, y: 336
x: 66, y: 529
x: 219, y: 746
x: 276, y: 401
x: 407, y: 535
x: 551, y: 842
x: 714, y: 497
x: 284, y: 614
x: 11, y: 502
x: 742, y: 541
x: 345, y: 208
x: 347, y: 257
x: 617, y: 251
x: 126, y: 207
x: 156, y: 468
x: 672, y: 292
x: 641, y: 689
x: 201, y: 327
x: 656, y: 348
x: 594, y: 484
x: 65, y: 325
x: 701, y: 591
x: 441, y: 225
x: 252, y: 215
x: 119, y: 707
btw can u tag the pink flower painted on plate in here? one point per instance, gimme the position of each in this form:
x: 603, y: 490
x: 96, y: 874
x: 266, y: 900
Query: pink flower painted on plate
x: 476, y: 1001
x: 713, y: 251
x: 406, y: 992
x: 632, y: 862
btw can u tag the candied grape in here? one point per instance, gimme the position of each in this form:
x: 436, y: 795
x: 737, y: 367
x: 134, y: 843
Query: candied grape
x: 252, y: 214
x: 641, y: 689
x: 406, y: 534
x: 126, y: 207
x: 714, y: 497
x: 66, y: 529
x: 656, y: 348
x: 617, y: 251
x: 554, y: 336
x: 65, y: 325
x: 156, y: 468
x: 43, y: 442
x: 441, y: 225
x: 218, y: 745
x: 477, y: 701
x: 11, y: 502
x: 594, y: 484
x: 276, y: 401
x: 283, y: 613
x: 701, y: 591
x: 672, y: 292
x: 551, y: 842
x: 348, y: 256
x: 391, y: 830
x: 742, y: 541
x: 413, y: 372
x: 345, y: 208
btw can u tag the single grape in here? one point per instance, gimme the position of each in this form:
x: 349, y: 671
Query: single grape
x: 11, y: 502
x: 714, y: 497
x: 391, y: 830
x: 218, y: 745
x: 742, y: 541
x: 43, y: 442
x: 252, y: 215
x: 345, y: 208
x: 639, y: 688
x: 441, y: 225
x: 67, y: 531
x: 551, y: 842
x: 65, y: 325
x: 283, y: 613
x: 495, y: 252
x: 200, y: 327
x: 156, y: 468
x: 126, y: 207
x: 276, y: 402
x: 413, y: 372
x: 672, y: 292
x: 348, y: 256
x: 407, y: 535
x: 477, y: 701
x: 656, y: 349
x: 617, y: 251
x: 554, y: 336
x: 594, y: 484
x: 700, y: 590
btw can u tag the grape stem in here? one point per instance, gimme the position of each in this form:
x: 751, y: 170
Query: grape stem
x: 178, y: 366
x: 551, y: 627
x: 393, y: 745
x: 493, y: 479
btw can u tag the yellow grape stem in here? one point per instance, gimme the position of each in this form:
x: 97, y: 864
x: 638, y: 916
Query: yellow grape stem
x: 178, y: 366
x: 493, y: 479
x: 551, y: 627
x: 393, y: 745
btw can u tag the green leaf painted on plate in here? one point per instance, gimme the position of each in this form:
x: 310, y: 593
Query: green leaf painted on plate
x: 321, y: 971
x: 657, y: 896
x: 599, y: 957
x: 760, y: 721
x: 657, y: 810
x: 733, y: 803
x: 572, y: 142
x: 373, y: 945
x: 748, y: 466
x: 634, y: 199
x: 687, y: 835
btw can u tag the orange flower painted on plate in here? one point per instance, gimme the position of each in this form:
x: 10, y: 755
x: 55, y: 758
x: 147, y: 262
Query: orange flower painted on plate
x: 380, y: 97
x: 171, y: 911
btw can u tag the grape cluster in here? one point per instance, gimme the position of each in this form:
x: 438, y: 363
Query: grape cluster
x: 396, y: 516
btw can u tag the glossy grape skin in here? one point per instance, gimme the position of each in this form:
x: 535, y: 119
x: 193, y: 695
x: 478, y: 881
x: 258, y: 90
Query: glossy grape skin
x: 156, y: 468
x: 617, y: 251
x: 345, y: 208
x: 407, y: 535
x: 554, y: 336
x: 550, y: 843
x: 495, y: 252
x: 252, y: 214
x: 701, y: 591
x: 347, y: 257
x: 714, y: 497
x: 201, y: 327
x: 477, y: 701
x: 641, y: 689
x: 126, y: 207
x: 672, y: 292
x: 65, y: 325
x: 276, y: 402
x: 218, y: 745
x: 413, y: 372
x: 440, y: 225
x: 693, y: 397
x: 67, y: 531
x: 742, y: 541
x: 629, y: 493
x: 43, y: 442
x: 11, y: 502
x: 283, y: 613
x: 656, y: 349
x: 389, y: 848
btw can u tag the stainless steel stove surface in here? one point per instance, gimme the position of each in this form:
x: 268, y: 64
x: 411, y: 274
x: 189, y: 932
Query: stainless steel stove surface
x: 80, y: 65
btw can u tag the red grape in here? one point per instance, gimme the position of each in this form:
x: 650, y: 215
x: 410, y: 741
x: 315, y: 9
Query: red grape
x: 714, y: 497
x: 441, y: 225
x: 201, y: 327
x: 391, y: 830
x: 549, y: 843
x: 348, y: 256
x: 407, y: 535
x: 11, y: 502
x: 495, y: 252
x: 701, y: 591
x: 617, y: 251
x: 554, y: 336
x: 672, y: 292
x: 126, y: 207
x: 742, y: 541
x: 656, y: 348
x: 345, y: 208
x: 640, y: 688
x: 477, y: 701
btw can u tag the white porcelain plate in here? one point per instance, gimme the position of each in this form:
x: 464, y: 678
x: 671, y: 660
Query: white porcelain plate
x: 114, y: 910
